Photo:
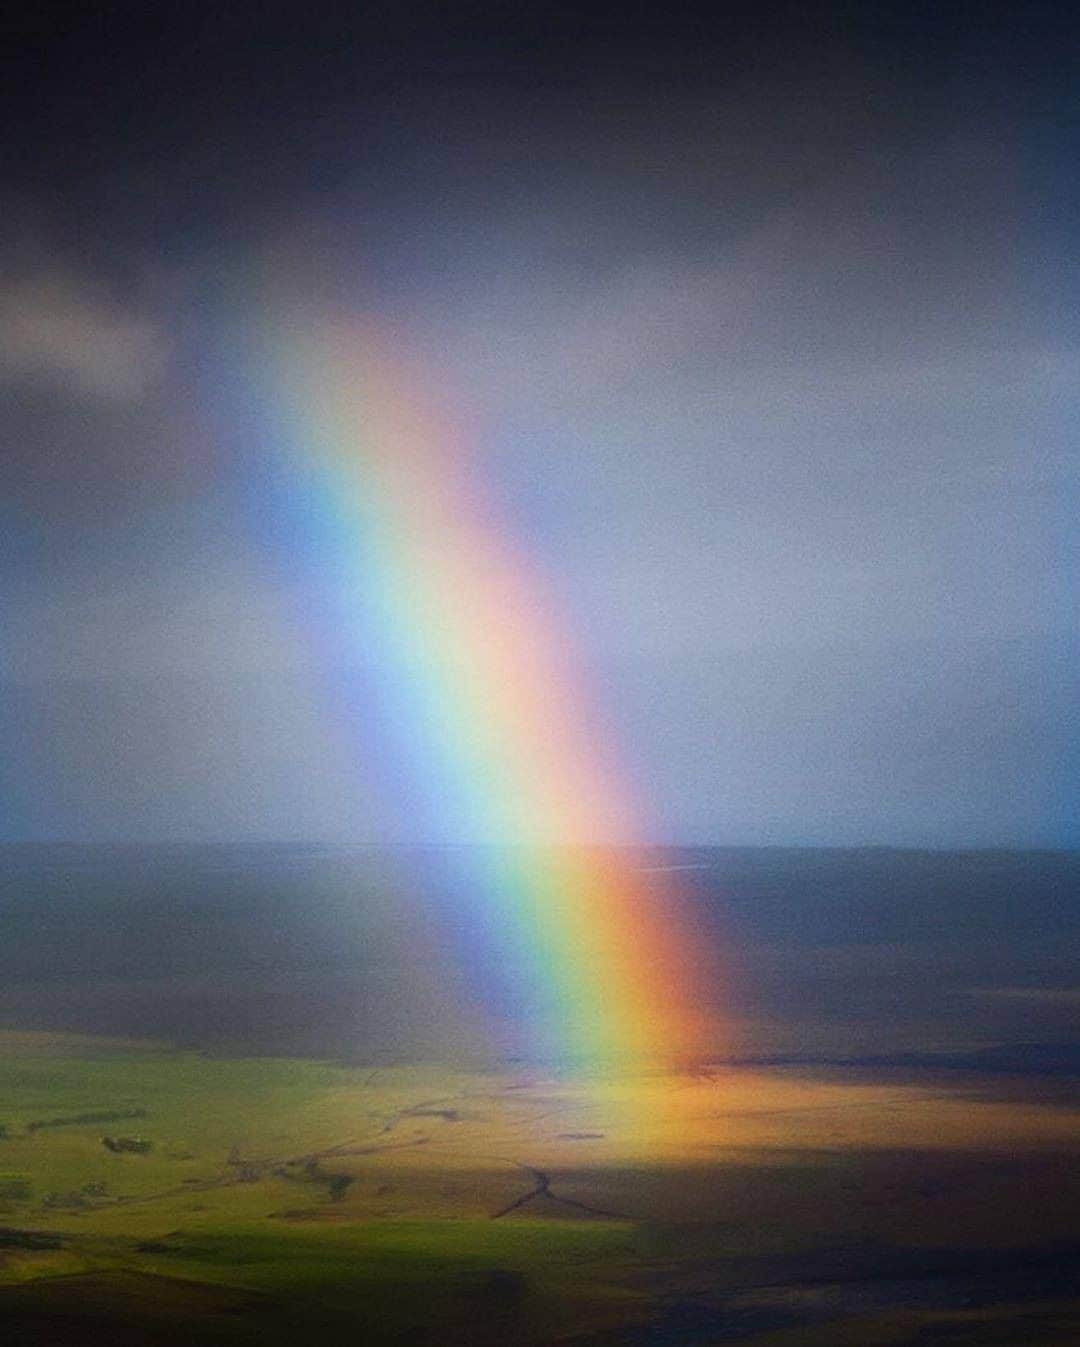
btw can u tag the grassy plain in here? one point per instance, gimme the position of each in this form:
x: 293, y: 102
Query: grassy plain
x: 430, y: 1205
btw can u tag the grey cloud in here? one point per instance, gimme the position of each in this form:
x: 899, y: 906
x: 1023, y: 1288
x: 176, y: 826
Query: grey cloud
x: 63, y: 329
x: 779, y: 404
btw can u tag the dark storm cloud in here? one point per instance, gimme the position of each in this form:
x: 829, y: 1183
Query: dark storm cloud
x: 758, y: 341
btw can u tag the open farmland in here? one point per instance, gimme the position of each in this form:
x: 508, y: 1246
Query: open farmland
x: 424, y: 1204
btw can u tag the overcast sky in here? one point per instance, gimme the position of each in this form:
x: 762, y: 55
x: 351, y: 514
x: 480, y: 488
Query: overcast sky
x: 768, y: 351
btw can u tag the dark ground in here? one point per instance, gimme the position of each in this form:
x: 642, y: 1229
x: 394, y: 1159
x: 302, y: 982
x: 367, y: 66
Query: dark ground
x: 915, y: 976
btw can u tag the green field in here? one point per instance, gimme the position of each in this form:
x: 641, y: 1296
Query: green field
x: 422, y: 1204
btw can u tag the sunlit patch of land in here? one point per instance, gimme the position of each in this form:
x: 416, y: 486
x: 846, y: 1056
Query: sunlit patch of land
x: 435, y: 1204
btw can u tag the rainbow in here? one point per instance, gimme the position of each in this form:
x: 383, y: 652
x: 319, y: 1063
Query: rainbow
x: 478, y: 694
